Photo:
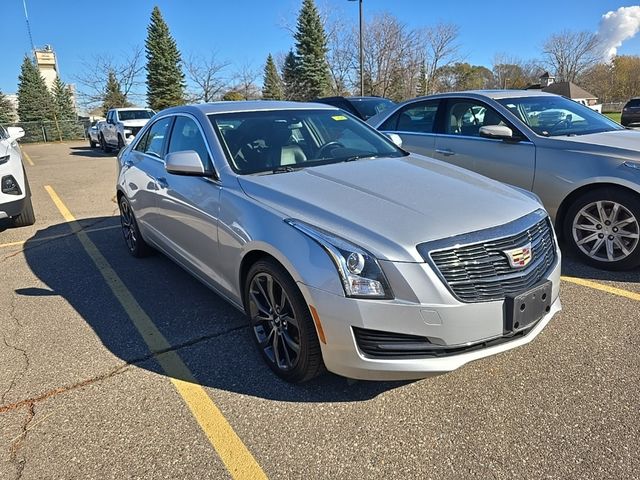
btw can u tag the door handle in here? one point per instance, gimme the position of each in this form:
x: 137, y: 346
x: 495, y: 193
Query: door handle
x: 445, y: 151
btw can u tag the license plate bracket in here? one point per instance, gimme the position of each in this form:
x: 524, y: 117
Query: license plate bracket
x: 527, y: 308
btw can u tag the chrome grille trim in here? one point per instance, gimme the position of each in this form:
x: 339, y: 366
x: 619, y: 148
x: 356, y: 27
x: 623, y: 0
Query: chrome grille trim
x: 474, y: 268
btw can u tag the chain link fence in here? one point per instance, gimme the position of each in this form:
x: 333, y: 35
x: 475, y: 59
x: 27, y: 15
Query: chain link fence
x: 52, y: 131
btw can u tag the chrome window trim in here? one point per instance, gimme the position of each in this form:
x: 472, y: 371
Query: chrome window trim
x: 216, y: 175
x: 472, y: 137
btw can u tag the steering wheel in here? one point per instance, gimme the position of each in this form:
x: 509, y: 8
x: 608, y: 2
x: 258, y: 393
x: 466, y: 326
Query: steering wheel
x: 566, y: 121
x: 329, y: 146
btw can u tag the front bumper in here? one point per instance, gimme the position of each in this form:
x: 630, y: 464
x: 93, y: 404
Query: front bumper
x: 432, y: 312
x: 12, y: 208
x: 630, y: 119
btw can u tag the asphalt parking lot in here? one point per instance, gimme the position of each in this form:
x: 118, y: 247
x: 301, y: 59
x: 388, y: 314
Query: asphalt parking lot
x: 120, y: 368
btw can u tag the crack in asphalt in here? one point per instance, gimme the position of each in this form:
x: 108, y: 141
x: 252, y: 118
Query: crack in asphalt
x: 30, y: 402
x: 23, y: 352
x: 16, y: 445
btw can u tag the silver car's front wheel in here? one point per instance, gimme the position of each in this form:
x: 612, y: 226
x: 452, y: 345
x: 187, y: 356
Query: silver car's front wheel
x: 605, y: 229
x: 281, y: 323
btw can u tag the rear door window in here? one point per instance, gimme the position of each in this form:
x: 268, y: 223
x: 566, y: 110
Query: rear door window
x: 417, y: 117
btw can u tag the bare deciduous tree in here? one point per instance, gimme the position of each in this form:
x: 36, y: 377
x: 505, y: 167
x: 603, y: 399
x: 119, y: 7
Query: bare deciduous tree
x: 570, y: 54
x: 127, y: 68
x: 244, y: 81
x: 513, y: 72
x: 440, y: 50
x: 342, y: 45
x: 205, y: 76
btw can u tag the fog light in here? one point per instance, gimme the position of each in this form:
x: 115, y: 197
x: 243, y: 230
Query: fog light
x: 10, y: 186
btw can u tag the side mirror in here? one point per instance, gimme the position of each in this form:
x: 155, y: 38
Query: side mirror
x: 15, y: 133
x: 187, y: 162
x: 497, y: 132
x: 395, y: 138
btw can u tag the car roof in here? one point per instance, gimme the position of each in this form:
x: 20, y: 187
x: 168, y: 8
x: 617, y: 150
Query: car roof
x: 249, y: 106
x: 123, y: 109
x: 494, y: 94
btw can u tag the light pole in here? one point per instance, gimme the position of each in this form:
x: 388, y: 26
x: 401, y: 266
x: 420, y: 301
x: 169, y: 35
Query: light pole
x: 361, y: 36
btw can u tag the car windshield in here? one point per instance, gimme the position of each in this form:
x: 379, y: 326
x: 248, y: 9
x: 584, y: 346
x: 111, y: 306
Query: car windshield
x: 125, y: 115
x: 369, y: 107
x: 286, y: 140
x: 555, y: 116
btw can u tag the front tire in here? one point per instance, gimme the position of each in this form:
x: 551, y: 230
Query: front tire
x: 281, y: 323
x: 92, y: 144
x: 602, y: 227
x: 136, y: 245
x: 27, y: 216
x: 120, y: 143
x: 105, y: 146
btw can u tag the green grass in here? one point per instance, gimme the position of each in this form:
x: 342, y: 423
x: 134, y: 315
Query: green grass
x: 614, y: 116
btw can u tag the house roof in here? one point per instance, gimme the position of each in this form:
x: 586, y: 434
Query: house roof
x: 568, y: 89
x: 545, y: 75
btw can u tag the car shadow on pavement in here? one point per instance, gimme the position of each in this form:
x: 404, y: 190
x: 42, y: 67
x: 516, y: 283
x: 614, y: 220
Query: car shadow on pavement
x: 210, y: 335
x: 90, y: 152
x: 572, y: 267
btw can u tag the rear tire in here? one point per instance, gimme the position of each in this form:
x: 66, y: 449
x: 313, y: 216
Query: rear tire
x: 136, y: 245
x: 27, y: 217
x: 92, y: 144
x: 602, y: 228
x: 281, y: 323
x: 120, y: 143
x: 105, y: 147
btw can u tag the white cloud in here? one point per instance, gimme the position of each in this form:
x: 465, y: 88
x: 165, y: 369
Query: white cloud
x: 618, y: 26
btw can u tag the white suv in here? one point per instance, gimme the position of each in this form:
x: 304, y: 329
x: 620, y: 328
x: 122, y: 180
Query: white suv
x: 121, y: 126
x: 15, y: 196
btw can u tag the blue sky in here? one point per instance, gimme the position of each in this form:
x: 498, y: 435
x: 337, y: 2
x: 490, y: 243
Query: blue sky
x: 245, y: 31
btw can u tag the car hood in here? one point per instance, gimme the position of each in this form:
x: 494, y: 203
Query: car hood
x: 141, y: 122
x: 620, y: 143
x: 390, y: 205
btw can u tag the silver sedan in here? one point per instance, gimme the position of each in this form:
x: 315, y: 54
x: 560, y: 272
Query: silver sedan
x: 584, y: 167
x: 343, y: 250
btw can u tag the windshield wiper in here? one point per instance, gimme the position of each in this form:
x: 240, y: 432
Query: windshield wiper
x: 285, y: 169
x: 362, y: 157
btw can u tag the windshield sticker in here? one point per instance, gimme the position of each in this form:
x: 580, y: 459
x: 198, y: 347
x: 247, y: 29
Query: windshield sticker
x: 337, y: 118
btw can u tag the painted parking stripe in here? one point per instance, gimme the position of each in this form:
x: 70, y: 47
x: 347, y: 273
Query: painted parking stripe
x: 602, y: 287
x: 54, y: 237
x: 26, y: 156
x: 234, y: 454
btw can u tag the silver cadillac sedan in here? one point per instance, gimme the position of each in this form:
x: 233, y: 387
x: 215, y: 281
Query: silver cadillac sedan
x: 344, y: 251
x: 584, y: 167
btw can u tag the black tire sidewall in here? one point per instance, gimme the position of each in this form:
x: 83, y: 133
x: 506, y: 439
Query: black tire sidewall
x: 309, y: 363
x: 630, y: 200
x: 141, y: 248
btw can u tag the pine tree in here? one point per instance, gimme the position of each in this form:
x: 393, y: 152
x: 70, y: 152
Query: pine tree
x: 6, y: 110
x: 113, y: 96
x: 290, y: 79
x: 311, y: 52
x: 34, y: 99
x: 272, y: 87
x: 165, y: 78
x: 63, y: 101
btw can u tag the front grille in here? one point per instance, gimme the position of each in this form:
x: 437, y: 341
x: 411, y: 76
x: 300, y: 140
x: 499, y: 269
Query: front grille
x: 376, y: 343
x: 481, y: 271
x: 134, y: 130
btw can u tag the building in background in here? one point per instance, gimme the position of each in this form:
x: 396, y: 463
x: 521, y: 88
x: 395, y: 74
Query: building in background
x: 47, y: 64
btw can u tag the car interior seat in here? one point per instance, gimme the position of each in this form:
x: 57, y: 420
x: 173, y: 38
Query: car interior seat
x: 282, y: 150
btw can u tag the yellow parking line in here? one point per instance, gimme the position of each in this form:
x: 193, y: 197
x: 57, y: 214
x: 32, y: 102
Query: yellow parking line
x: 53, y: 237
x: 27, y: 158
x: 602, y: 287
x: 234, y: 454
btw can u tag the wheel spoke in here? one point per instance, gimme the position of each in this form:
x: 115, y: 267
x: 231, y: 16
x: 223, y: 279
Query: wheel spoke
x: 621, y: 246
x: 275, y: 344
x: 614, y: 213
x: 596, y: 246
x: 291, y: 343
x: 286, y: 352
x: 291, y: 320
x: 270, y: 292
x: 588, y: 238
x: 587, y: 228
x: 625, y: 222
x: 263, y: 293
x: 261, y: 308
x: 625, y: 234
x: 609, y: 245
x: 601, y: 212
x: 590, y: 217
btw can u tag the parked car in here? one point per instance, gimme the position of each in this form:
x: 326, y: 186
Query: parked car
x: 15, y: 196
x: 342, y: 249
x: 93, y: 133
x: 121, y: 126
x: 631, y: 113
x: 584, y: 167
x: 361, y: 107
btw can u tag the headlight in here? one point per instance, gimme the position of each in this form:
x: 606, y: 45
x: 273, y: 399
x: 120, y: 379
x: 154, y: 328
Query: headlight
x: 127, y: 132
x: 359, y: 271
